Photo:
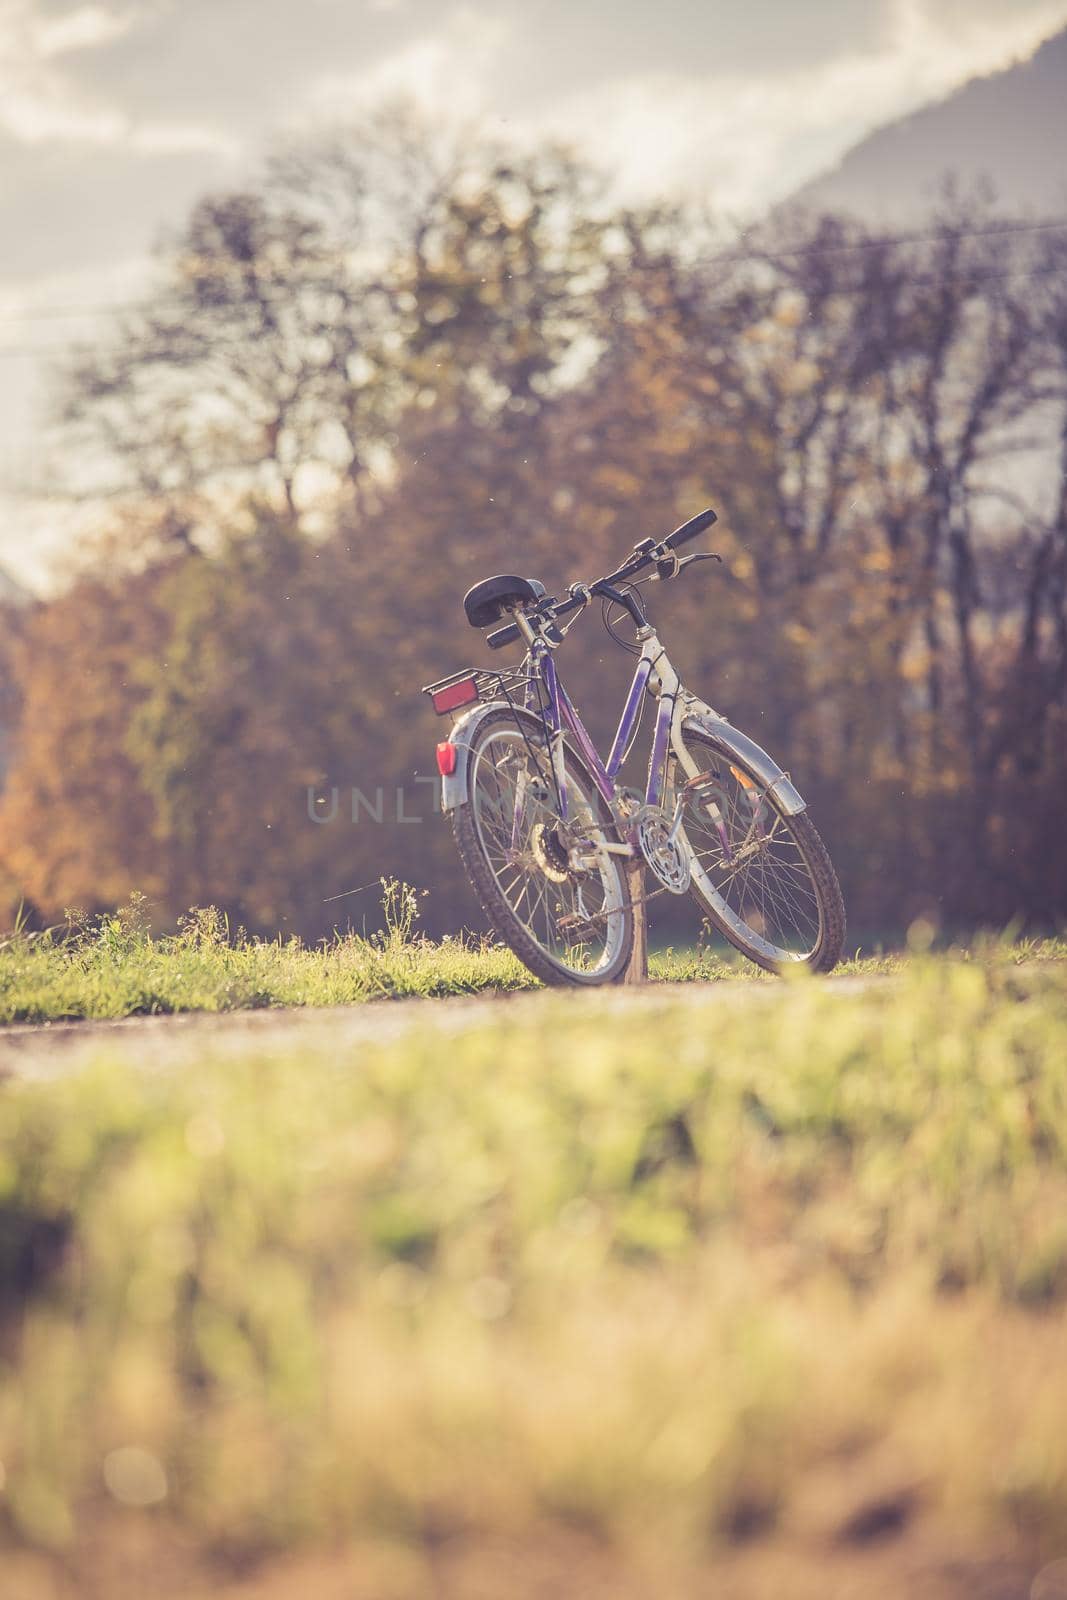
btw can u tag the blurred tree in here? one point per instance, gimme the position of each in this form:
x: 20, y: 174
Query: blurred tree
x: 14, y: 613
x: 402, y: 362
x: 76, y: 824
x: 296, y: 325
x: 260, y: 697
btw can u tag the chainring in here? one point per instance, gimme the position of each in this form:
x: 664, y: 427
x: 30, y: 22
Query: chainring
x: 669, y: 860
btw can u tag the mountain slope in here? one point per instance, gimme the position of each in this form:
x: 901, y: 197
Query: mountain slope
x: 1009, y: 128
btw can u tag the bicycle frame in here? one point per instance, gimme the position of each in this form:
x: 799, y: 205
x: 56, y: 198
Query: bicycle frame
x: 559, y: 714
x: 545, y: 696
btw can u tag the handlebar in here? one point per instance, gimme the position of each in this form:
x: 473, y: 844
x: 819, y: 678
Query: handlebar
x: 691, y: 529
x: 643, y: 555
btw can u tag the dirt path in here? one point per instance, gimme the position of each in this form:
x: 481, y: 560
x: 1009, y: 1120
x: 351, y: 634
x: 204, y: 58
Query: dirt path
x: 42, y: 1049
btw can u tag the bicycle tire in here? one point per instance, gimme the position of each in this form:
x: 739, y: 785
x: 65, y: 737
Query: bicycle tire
x: 500, y: 914
x: 827, y: 946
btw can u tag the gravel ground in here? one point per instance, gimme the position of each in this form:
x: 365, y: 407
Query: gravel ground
x: 43, y: 1049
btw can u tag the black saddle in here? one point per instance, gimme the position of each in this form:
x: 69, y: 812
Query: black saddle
x: 493, y: 598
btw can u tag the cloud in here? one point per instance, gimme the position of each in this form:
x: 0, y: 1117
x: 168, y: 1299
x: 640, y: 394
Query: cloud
x: 741, y: 103
x: 748, y: 141
x: 238, y: 65
x: 557, y: 47
x: 451, y: 71
x: 66, y: 205
x: 749, y: 98
x: 114, y: 113
x: 37, y: 100
x: 82, y: 182
x: 80, y: 29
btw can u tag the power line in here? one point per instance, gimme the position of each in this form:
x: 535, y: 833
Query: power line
x: 960, y: 275
x: 854, y: 291
x: 781, y: 253
x: 889, y: 240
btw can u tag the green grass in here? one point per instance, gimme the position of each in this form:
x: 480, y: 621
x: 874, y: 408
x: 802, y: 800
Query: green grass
x: 648, y: 1277
x: 114, y: 967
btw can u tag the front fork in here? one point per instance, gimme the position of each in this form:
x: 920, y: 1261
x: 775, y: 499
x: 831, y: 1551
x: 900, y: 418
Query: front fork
x: 704, y: 781
x: 699, y: 786
x: 704, y: 787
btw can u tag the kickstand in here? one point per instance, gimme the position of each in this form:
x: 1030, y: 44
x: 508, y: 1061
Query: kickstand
x: 637, y: 970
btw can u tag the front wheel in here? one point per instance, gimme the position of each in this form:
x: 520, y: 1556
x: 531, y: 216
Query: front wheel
x: 763, y: 879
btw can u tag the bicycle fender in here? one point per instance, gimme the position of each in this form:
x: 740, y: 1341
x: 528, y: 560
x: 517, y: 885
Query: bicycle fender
x: 454, y: 786
x: 735, y: 743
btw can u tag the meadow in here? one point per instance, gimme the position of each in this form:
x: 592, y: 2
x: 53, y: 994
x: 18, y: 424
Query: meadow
x: 112, y: 966
x: 746, y: 1299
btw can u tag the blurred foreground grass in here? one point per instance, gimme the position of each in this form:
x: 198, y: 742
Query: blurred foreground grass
x: 114, y: 967
x: 681, y: 1287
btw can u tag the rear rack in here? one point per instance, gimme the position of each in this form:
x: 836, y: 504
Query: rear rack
x: 464, y: 688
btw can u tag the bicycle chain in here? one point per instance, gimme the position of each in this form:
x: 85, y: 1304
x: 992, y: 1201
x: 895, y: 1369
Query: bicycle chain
x: 627, y: 905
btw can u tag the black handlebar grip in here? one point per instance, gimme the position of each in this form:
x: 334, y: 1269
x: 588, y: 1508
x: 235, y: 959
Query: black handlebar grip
x: 502, y: 636
x: 690, y: 530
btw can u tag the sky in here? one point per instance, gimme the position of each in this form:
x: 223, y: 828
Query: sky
x: 116, y: 114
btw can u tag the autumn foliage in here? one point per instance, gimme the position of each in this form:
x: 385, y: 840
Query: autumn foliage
x: 394, y: 367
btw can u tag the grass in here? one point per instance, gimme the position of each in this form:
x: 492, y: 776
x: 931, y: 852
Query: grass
x: 114, y: 967
x: 677, y: 1297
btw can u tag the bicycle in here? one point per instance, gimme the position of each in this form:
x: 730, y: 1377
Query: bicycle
x: 545, y: 830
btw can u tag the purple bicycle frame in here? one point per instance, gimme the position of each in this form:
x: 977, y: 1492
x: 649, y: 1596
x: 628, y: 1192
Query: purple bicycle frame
x: 560, y: 713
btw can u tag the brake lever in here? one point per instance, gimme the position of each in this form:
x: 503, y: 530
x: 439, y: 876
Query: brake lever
x: 550, y: 629
x: 671, y: 565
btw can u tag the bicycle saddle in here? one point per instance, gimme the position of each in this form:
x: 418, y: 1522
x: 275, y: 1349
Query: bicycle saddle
x: 491, y: 599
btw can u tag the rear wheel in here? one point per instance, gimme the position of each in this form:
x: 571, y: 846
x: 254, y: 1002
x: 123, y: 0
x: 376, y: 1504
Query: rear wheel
x: 763, y: 879
x: 549, y: 888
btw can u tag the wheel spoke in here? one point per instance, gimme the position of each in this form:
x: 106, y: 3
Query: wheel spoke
x: 762, y: 883
x: 507, y: 783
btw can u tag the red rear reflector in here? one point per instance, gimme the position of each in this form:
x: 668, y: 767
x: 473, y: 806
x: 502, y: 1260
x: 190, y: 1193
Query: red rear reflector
x: 456, y: 694
x: 446, y: 759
